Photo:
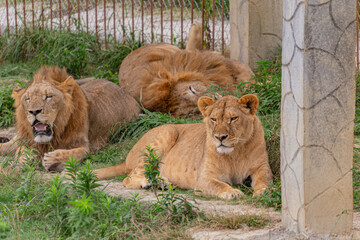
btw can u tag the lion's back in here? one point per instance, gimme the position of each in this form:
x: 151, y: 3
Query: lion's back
x: 109, y: 104
x: 140, y: 62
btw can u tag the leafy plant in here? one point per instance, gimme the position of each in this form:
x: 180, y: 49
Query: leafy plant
x: 272, y: 196
x: 178, y: 207
x: 6, y: 107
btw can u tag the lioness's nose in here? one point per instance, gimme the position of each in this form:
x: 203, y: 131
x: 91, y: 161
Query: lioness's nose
x: 35, y: 112
x: 221, y: 137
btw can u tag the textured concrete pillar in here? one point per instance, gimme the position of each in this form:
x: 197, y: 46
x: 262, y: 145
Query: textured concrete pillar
x: 255, y: 29
x: 317, y: 114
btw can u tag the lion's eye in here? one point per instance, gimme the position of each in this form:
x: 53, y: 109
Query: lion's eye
x: 48, y: 97
x: 27, y: 100
x: 233, y: 119
x: 213, y: 119
x: 192, y: 90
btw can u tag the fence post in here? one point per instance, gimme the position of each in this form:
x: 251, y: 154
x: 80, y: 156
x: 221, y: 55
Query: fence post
x: 317, y: 115
x: 255, y: 29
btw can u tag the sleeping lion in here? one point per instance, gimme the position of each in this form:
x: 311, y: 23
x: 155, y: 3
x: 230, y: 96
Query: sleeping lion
x: 225, y: 149
x: 165, y: 79
x: 60, y: 119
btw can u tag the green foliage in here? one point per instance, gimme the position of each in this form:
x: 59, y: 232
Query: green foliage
x: 6, y: 107
x: 237, y: 221
x: 178, y: 207
x: 78, y: 52
x: 272, y: 196
x: 152, y: 171
x: 145, y: 122
x: 268, y: 85
x: 357, y: 107
x: 356, y: 179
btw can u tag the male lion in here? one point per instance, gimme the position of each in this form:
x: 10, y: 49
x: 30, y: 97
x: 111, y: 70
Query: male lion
x: 227, y: 148
x: 61, y: 119
x: 166, y: 79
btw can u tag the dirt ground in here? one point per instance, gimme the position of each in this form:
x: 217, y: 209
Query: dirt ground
x: 273, y: 230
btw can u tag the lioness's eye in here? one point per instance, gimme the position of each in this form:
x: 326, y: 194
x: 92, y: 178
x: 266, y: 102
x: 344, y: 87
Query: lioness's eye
x: 213, y: 119
x: 48, y: 97
x: 27, y: 100
x: 233, y: 119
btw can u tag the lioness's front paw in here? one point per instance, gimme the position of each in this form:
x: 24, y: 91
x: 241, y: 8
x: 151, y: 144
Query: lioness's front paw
x: 52, y: 161
x: 259, y: 191
x: 231, y: 194
x: 136, y: 182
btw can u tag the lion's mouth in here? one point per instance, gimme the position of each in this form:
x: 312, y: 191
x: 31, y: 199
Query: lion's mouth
x: 40, y: 128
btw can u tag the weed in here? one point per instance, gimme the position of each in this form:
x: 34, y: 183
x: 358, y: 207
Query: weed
x: 356, y: 179
x: 237, y: 221
x: 272, y: 196
x: 178, y: 207
x: 357, y: 107
x: 6, y: 108
x: 152, y: 172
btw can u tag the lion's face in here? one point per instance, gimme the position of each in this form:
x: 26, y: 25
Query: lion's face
x: 229, y: 120
x: 187, y: 94
x: 42, y: 103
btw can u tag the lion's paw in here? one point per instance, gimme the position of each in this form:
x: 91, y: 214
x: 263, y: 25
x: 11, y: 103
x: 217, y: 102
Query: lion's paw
x: 231, y: 194
x: 259, y: 191
x: 136, y: 183
x: 52, y: 161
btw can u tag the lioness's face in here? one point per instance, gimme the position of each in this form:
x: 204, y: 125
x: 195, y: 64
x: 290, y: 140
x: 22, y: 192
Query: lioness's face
x: 42, y: 102
x: 229, y: 121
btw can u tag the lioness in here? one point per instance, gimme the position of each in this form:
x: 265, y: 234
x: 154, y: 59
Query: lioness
x: 225, y: 149
x: 61, y: 119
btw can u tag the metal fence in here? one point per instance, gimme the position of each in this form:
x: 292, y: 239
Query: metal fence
x: 115, y: 20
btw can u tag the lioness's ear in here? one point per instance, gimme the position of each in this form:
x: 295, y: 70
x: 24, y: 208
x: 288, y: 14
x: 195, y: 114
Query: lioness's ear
x: 204, y: 103
x: 17, y: 93
x: 68, y: 85
x: 249, y: 101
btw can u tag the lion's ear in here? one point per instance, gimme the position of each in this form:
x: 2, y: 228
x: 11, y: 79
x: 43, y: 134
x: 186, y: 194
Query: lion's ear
x: 250, y: 101
x: 68, y: 85
x: 204, y: 103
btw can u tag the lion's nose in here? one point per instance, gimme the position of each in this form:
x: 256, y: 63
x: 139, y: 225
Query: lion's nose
x: 221, y: 137
x: 35, y: 112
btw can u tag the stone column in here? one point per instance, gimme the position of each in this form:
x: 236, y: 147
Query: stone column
x: 255, y: 29
x: 317, y: 115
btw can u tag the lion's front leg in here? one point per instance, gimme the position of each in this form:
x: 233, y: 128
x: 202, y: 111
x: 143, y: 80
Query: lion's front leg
x: 8, y: 146
x: 261, y: 179
x: 214, y: 187
x: 53, y: 161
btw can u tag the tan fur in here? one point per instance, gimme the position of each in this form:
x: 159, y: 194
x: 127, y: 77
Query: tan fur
x: 80, y: 116
x: 195, y: 35
x: 193, y: 157
x: 166, y: 79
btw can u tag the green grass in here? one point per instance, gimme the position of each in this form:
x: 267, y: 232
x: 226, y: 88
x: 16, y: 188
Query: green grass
x: 80, y: 53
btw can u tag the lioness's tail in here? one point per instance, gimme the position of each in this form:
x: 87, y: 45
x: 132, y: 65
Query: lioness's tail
x: 194, y: 41
x: 111, y: 172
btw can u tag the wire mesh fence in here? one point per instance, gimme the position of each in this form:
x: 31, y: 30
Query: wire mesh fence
x: 116, y: 20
